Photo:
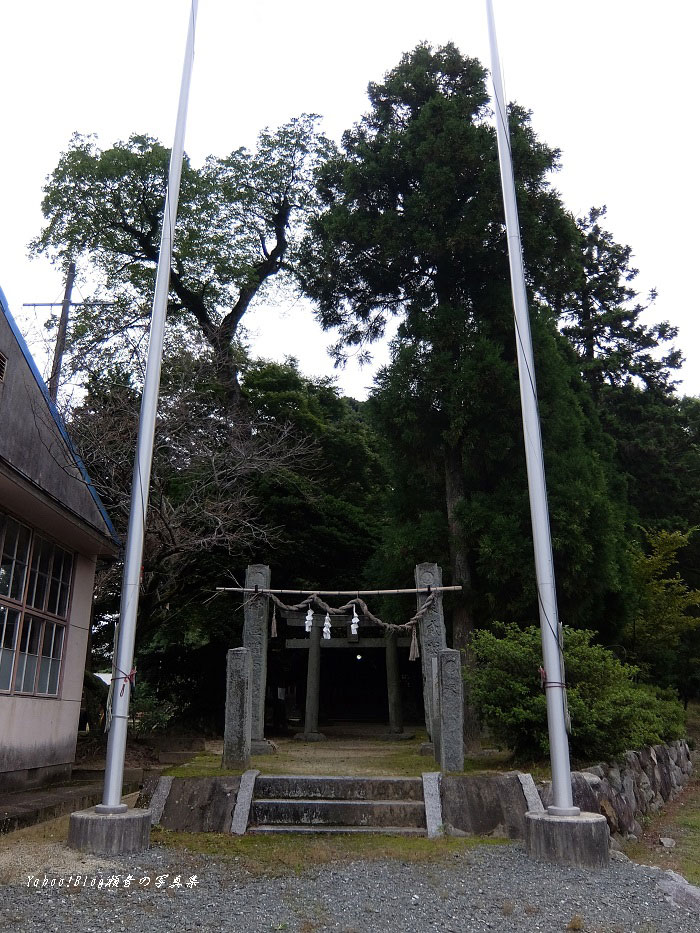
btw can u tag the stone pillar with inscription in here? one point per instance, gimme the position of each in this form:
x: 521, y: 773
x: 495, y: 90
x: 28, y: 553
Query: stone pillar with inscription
x: 451, y: 712
x: 431, y: 629
x: 255, y: 640
x: 435, y: 717
x: 237, y: 727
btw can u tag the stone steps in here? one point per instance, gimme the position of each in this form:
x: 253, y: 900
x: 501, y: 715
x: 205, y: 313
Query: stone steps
x: 339, y: 812
x: 337, y: 830
x: 288, y: 804
x: 338, y: 788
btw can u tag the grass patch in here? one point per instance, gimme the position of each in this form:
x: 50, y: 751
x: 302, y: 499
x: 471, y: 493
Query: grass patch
x: 364, y: 757
x: 336, y: 760
x: 278, y: 855
x: 202, y: 766
x: 680, y: 820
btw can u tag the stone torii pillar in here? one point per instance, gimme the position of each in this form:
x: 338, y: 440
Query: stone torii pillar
x: 255, y: 640
x: 432, y: 635
x: 313, y: 687
x: 393, y: 683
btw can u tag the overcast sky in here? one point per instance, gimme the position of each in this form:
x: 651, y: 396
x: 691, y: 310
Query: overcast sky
x: 613, y: 84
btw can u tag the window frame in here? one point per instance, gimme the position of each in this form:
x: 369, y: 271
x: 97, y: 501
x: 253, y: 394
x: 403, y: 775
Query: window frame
x: 38, y: 619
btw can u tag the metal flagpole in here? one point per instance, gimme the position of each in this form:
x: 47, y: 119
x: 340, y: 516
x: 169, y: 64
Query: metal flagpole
x: 544, y: 566
x: 122, y: 671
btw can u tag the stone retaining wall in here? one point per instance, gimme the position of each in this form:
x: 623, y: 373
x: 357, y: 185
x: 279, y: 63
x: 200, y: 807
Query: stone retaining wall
x: 191, y: 805
x: 624, y: 791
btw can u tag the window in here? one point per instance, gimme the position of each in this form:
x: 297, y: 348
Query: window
x: 14, y: 557
x: 3, y: 366
x: 35, y: 582
x: 39, y: 663
x: 49, y: 578
x: 9, y: 624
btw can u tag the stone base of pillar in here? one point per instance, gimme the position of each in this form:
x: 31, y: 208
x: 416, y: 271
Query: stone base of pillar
x: 310, y: 737
x: 262, y: 747
x: 110, y: 833
x: 581, y: 840
x: 397, y: 736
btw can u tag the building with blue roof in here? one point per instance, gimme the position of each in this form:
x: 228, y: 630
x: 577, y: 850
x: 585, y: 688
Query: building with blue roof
x: 53, y: 528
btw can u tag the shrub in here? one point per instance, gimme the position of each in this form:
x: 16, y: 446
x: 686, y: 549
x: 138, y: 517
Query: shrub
x: 609, y: 712
x: 149, y: 713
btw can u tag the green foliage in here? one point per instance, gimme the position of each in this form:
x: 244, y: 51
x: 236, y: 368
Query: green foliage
x: 657, y: 451
x: 297, y: 484
x: 328, y: 509
x: 602, y: 318
x: 238, y: 221
x: 664, y: 637
x: 149, y: 713
x: 412, y: 225
x: 609, y: 712
x: 253, y: 461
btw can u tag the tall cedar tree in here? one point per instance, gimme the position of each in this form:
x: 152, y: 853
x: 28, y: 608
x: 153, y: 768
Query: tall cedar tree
x: 413, y: 226
x: 602, y: 316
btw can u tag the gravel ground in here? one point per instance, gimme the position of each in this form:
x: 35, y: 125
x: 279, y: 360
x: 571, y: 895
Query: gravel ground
x: 486, y: 888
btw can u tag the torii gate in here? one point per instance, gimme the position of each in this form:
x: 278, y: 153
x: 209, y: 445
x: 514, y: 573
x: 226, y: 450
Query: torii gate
x: 247, y: 671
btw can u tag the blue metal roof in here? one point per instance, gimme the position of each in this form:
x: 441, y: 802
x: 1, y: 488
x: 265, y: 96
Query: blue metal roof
x: 56, y: 415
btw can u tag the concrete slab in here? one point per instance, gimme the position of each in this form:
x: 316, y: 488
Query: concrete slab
x: 26, y: 808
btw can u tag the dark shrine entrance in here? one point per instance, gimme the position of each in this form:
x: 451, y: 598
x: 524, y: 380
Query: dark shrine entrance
x: 309, y: 664
x: 352, y: 678
x: 353, y: 685
x: 352, y: 688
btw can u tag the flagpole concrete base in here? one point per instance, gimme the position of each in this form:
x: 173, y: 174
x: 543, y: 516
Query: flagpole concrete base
x: 109, y: 833
x: 582, y: 840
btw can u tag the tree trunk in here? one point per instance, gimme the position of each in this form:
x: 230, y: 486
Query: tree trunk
x: 462, y: 618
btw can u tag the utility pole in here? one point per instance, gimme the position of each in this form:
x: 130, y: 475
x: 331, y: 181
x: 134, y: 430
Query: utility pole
x: 60, y: 348
x: 61, y: 335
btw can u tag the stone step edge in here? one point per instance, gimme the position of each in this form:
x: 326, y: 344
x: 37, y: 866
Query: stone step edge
x: 346, y: 788
x: 364, y: 802
x: 347, y: 778
x: 328, y: 829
